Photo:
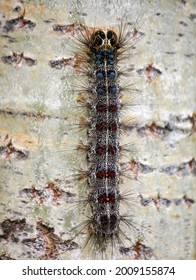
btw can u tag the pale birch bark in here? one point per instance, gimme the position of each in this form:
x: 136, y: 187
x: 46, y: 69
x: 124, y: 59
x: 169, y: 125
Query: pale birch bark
x: 37, y: 106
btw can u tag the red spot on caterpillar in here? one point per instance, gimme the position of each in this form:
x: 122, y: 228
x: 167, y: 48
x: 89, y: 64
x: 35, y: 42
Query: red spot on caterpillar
x: 100, y: 150
x: 101, y: 126
x: 101, y: 50
x: 101, y: 199
x: 100, y: 174
x: 112, y: 150
x: 106, y: 174
x: 113, y: 219
x: 112, y: 198
x: 113, y: 126
x: 112, y: 174
x: 113, y: 108
x: 101, y: 108
x: 106, y: 199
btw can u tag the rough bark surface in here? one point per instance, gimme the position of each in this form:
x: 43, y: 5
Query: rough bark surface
x: 38, y: 110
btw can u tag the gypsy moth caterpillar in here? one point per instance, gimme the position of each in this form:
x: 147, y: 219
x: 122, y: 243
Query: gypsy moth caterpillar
x: 101, y: 50
x: 163, y: 136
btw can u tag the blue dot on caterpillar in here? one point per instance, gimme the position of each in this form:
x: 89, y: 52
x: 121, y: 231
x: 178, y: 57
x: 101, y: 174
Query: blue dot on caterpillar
x: 103, y: 49
x: 101, y: 52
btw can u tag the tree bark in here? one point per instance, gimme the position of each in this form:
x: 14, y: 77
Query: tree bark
x: 38, y: 110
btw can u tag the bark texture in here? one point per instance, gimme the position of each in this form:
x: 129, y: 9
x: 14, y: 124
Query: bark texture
x: 38, y: 109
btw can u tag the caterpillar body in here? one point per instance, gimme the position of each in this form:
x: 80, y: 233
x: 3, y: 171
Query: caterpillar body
x: 116, y: 190
x: 104, y: 49
x: 101, y: 51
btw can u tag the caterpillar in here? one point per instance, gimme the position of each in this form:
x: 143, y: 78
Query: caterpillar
x: 103, y: 49
x: 38, y: 163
